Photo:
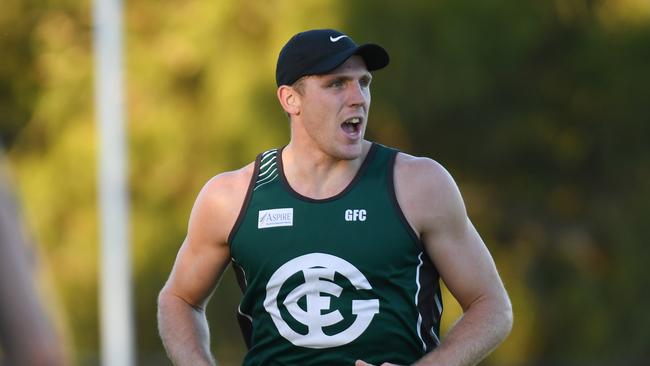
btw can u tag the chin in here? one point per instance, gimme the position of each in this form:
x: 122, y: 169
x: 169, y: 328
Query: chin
x: 350, y: 152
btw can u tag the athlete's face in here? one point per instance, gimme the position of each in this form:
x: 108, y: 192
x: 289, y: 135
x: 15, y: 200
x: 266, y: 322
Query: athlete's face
x: 334, y: 109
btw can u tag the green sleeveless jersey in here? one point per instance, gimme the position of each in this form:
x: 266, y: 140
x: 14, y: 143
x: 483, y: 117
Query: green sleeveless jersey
x: 330, y: 281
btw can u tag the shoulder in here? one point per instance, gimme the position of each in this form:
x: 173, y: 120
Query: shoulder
x: 219, y: 202
x: 421, y: 173
x: 226, y: 184
x: 426, y: 191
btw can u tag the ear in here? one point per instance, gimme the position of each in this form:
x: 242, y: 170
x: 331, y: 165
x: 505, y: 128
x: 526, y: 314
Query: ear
x: 289, y: 99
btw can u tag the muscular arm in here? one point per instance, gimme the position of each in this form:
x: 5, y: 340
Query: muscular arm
x: 199, y: 265
x: 435, y: 208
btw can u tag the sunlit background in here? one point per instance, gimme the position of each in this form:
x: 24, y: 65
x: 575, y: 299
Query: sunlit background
x: 540, y: 109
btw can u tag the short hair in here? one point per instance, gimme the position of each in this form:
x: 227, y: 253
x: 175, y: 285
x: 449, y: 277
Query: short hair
x: 299, y: 85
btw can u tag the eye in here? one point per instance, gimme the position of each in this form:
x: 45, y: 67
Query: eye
x: 365, y: 81
x: 338, y: 83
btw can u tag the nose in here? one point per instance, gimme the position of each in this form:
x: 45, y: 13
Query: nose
x: 358, y: 95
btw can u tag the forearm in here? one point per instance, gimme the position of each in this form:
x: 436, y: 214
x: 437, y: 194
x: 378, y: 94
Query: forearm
x: 184, y: 331
x: 479, y: 331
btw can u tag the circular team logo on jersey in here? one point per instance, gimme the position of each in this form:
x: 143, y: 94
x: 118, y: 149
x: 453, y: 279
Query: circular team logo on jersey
x: 318, y: 270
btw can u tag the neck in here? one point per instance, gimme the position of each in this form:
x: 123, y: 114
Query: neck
x: 314, y: 173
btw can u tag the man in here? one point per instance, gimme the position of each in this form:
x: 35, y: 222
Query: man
x: 338, y: 242
x: 27, y: 335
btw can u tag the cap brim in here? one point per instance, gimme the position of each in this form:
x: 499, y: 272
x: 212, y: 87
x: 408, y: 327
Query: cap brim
x: 373, y: 55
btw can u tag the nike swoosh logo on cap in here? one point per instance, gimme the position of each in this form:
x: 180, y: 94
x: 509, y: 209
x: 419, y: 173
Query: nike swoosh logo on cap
x: 334, y: 39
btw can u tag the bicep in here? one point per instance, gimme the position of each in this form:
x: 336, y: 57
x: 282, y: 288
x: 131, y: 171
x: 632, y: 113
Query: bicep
x: 464, y: 262
x: 437, y: 209
x: 196, y: 271
x: 204, y: 254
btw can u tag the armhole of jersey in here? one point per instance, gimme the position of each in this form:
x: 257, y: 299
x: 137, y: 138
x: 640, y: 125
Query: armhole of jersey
x: 247, y: 199
x: 391, y: 188
x: 428, y: 298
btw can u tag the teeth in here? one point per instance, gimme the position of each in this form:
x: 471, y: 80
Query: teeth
x: 354, y: 120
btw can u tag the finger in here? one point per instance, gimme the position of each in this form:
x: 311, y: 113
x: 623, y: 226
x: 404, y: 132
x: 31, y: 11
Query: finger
x: 362, y: 363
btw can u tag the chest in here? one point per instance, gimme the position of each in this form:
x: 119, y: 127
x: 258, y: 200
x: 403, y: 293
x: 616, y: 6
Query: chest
x: 359, y: 227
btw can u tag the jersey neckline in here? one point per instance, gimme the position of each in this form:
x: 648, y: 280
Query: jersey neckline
x: 358, y: 175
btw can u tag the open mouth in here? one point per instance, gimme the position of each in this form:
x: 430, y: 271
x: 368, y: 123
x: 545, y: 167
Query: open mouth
x: 352, y: 126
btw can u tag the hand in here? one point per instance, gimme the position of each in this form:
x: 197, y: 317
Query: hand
x: 364, y: 363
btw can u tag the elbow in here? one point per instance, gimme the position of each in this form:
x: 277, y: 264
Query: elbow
x: 169, y: 300
x: 163, y: 295
x: 166, y: 303
x: 506, y: 319
x: 163, y: 299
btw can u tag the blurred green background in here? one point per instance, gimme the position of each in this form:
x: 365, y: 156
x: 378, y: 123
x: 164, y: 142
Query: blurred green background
x: 540, y: 109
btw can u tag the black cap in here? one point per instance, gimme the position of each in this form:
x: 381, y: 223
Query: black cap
x: 319, y: 51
